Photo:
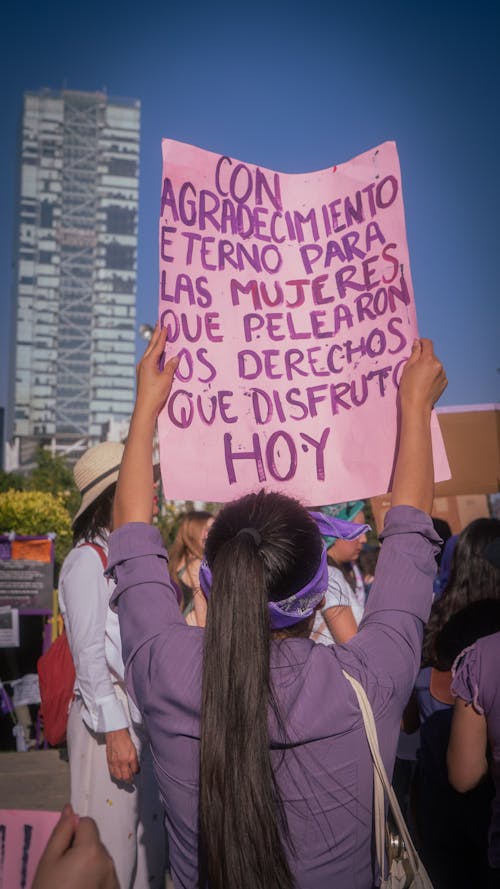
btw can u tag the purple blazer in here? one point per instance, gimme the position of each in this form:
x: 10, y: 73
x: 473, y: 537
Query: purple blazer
x: 325, y: 774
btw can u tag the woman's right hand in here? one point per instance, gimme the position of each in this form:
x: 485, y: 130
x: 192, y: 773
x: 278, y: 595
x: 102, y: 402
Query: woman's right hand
x: 423, y: 380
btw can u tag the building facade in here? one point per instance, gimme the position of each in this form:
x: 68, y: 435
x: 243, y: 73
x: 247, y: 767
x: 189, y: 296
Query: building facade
x: 75, y: 269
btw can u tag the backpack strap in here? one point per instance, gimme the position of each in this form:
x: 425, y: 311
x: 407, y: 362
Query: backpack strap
x: 100, y: 552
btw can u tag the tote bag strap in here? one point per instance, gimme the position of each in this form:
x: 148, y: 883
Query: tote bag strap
x: 382, y: 788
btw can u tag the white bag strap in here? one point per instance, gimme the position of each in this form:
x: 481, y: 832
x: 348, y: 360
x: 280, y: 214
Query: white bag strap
x: 381, y: 788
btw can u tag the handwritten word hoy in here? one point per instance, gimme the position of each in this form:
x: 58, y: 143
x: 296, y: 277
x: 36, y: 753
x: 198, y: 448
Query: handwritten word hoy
x: 279, y: 458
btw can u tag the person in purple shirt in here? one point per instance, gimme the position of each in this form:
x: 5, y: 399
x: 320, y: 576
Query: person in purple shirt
x: 259, y: 746
x: 476, y: 722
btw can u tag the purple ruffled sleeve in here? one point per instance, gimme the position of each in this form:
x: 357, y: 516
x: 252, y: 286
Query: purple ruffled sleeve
x: 465, y: 682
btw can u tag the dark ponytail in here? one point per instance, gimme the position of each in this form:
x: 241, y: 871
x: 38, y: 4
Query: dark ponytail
x: 243, y: 830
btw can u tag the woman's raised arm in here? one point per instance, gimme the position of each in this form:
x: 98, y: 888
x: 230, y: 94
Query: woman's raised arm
x: 133, y: 499
x: 422, y: 382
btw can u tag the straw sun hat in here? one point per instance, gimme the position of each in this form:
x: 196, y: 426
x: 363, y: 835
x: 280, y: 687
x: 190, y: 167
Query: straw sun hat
x: 96, y: 470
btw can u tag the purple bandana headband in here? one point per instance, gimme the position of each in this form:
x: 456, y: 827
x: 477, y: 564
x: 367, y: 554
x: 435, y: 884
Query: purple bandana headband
x: 302, y: 604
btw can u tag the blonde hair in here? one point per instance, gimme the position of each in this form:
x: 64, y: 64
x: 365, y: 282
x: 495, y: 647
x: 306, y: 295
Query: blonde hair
x: 188, y: 540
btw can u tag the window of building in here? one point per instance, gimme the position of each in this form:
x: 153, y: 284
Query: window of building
x: 48, y: 148
x: 119, y: 256
x: 120, y: 221
x: 46, y: 214
x: 121, y: 166
x: 123, y: 285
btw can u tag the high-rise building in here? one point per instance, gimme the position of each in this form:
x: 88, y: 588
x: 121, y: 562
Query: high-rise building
x: 75, y: 268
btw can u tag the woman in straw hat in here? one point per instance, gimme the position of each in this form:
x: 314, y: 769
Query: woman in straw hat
x: 110, y: 765
x: 259, y: 744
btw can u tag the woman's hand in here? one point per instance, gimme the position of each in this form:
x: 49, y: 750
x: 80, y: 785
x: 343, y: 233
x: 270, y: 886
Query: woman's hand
x: 121, y: 754
x: 423, y: 380
x: 74, y: 857
x: 153, y: 382
x: 133, y: 499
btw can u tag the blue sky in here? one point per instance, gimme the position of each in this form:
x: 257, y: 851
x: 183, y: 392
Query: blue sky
x: 298, y: 86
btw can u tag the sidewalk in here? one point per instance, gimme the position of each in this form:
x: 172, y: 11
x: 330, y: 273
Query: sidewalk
x: 38, y: 779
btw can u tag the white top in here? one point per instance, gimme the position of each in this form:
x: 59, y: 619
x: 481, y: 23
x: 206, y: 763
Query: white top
x: 94, y: 637
x: 338, y: 593
x: 358, y: 595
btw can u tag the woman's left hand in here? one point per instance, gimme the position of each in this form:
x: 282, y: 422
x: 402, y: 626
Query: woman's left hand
x: 153, y: 382
x: 75, y: 857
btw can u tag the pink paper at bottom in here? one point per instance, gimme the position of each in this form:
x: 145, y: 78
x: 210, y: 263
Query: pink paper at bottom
x: 23, y: 837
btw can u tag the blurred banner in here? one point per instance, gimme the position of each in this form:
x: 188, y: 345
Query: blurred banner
x: 26, y: 571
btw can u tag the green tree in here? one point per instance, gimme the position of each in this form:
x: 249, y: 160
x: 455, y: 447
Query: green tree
x: 54, y: 475
x: 11, y: 481
x: 37, y: 512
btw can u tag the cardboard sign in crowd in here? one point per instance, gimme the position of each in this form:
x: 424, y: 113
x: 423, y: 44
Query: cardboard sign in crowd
x: 290, y: 303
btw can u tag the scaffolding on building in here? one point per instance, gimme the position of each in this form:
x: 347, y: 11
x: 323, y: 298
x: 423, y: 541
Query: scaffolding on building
x: 83, y: 117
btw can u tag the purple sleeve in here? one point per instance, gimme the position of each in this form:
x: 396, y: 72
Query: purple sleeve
x: 476, y: 676
x: 389, y: 639
x: 465, y: 682
x: 146, y: 602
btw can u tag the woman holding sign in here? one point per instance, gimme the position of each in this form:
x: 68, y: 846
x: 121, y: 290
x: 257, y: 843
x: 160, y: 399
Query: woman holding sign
x: 259, y: 744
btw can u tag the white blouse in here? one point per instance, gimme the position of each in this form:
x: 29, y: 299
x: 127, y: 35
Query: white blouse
x: 339, y: 592
x: 94, y: 637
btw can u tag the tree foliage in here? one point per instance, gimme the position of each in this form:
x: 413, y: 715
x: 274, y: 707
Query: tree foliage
x: 54, y: 475
x: 11, y: 481
x: 37, y: 512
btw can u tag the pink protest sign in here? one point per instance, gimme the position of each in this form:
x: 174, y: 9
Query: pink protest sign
x: 289, y: 300
x: 23, y: 837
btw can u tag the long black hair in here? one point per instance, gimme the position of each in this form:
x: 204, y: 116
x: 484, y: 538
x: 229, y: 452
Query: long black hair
x: 243, y: 828
x: 97, y: 517
x: 472, y: 578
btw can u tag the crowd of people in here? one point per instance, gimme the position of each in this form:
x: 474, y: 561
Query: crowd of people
x: 212, y: 716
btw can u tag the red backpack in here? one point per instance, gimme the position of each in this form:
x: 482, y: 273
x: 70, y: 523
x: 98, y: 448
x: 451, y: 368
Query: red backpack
x: 56, y: 676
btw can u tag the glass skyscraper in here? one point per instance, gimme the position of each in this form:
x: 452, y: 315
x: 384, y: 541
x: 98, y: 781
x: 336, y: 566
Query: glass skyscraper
x: 75, y: 267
